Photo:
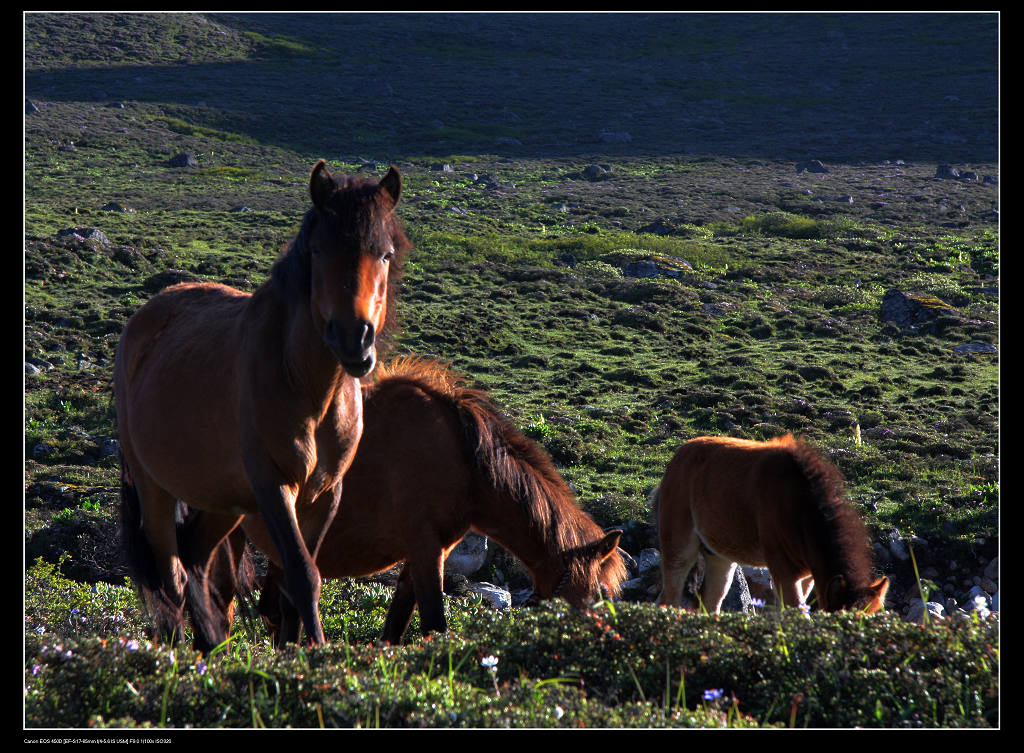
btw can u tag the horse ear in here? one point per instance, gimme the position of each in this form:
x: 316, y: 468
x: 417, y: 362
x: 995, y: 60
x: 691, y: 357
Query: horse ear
x: 321, y: 184
x: 878, y: 590
x: 608, y: 544
x: 835, y: 593
x: 391, y: 184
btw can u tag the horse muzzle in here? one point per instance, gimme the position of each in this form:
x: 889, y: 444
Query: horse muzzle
x: 353, y: 345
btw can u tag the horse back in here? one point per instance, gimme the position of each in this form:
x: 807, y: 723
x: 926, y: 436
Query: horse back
x: 738, y: 495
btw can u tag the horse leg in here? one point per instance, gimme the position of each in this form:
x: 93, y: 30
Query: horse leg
x: 718, y: 574
x: 211, y: 559
x: 279, y: 615
x: 400, y: 612
x: 428, y: 585
x: 678, y: 556
x: 276, y: 500
x: 165, y: 594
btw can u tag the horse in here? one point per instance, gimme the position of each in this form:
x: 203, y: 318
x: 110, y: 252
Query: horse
x: 240, y: 404
x: 775, y: 504
x: 435, y: 461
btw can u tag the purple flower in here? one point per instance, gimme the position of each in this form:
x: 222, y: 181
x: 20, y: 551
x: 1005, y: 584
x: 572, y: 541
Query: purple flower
x: 757, y: 603
x: 713, y: 694
x: 201, y: 667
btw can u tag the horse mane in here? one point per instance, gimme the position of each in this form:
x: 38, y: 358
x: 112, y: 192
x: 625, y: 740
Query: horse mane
x: 291, y: 274
x: 511, y: 462
x: 838, y: 518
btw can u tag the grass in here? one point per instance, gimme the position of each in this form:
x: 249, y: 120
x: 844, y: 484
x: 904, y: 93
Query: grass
x: 775, y: 326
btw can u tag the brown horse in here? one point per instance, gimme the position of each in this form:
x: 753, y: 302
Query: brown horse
x: 249, y: 404
x: 774, y: 504
x: 435, y: 460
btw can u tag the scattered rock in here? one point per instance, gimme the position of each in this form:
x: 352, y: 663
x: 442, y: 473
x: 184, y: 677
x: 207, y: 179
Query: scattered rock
x: 567, y: 260
x: 913, y: 310
x: 161, y: 280
x: 241, y: 208
x: 597, y: 172
x: 115, y: 207
x: 185, y: 159
x: 468, y: 556
x: 85, y: 234
x: 975, y: 348
x: 497, y: 597
x: 945, y: 172
x: 811, y: 166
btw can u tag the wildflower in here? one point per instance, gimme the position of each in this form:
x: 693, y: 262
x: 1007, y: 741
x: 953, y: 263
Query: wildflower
x: 40, y: 630
x: 74, y: 611
x: 201, y: 667
x: 36, y: 668
x: 805, y: 609
x: 490, y: 662
x: 757, y: 603
x: 67, y: 654
x: 132, y: 645
x: 713, y: 694
x: 558, y: 711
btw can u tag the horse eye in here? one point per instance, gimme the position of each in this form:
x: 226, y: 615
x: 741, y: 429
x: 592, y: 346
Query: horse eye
x: 387, y: 257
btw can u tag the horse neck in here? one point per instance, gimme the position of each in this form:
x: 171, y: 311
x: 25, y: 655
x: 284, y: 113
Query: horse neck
x: 837, y: 546
x: 536, y: 525
x: 308, y: 365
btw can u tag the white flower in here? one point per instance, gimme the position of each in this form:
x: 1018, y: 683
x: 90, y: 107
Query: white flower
x: 559, y: 712
x: 490, y: 662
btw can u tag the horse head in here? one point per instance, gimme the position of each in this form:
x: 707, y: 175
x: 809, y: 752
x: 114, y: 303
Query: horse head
x: 352, y: 242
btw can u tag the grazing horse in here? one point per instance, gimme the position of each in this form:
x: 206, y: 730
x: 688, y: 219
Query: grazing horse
x: 437, y: 459
x: 774, y: 504
x: 242, y: 404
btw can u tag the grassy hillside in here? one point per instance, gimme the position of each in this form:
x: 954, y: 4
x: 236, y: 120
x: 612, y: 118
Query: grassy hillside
x: 543, y: 156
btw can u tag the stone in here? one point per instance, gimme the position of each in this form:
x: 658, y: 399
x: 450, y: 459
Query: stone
x: 811, y: 166
x: 185, y: 159
x: 468, y: 556
x: 494, y: 595
x: 945, y: 172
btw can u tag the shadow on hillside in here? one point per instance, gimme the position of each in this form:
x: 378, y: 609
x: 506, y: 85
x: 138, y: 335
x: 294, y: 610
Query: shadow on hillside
x: 842, y: 87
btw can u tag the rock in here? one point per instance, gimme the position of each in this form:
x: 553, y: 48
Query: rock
x: 945, y: 172
x: 109, y: 447
x: 31, y: 369
x: 497, y: 597
x: 990, y: 180
x: 161, y: 280
x: 115, y: 207
x: 87, y: 234
x: 567, y: 260
x: 811, y: 166
x: 992, y: 569
x: 975, y: 348
x: 913, y: 310
x: 647, y: 559
x: 738, y: 599
x: 185, y: 159
x: 241, y: 208
x: 596, y: 172
x: 759, y: 583
x: 916, y: 611
x: 468, y: 556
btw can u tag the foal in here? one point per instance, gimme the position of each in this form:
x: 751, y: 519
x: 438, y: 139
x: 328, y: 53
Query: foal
x: 774, y: 504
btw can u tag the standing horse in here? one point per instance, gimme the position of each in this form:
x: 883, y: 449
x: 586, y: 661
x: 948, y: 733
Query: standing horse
x: 774, y: 504
x: 437, y: 459
x: 249, y: 404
